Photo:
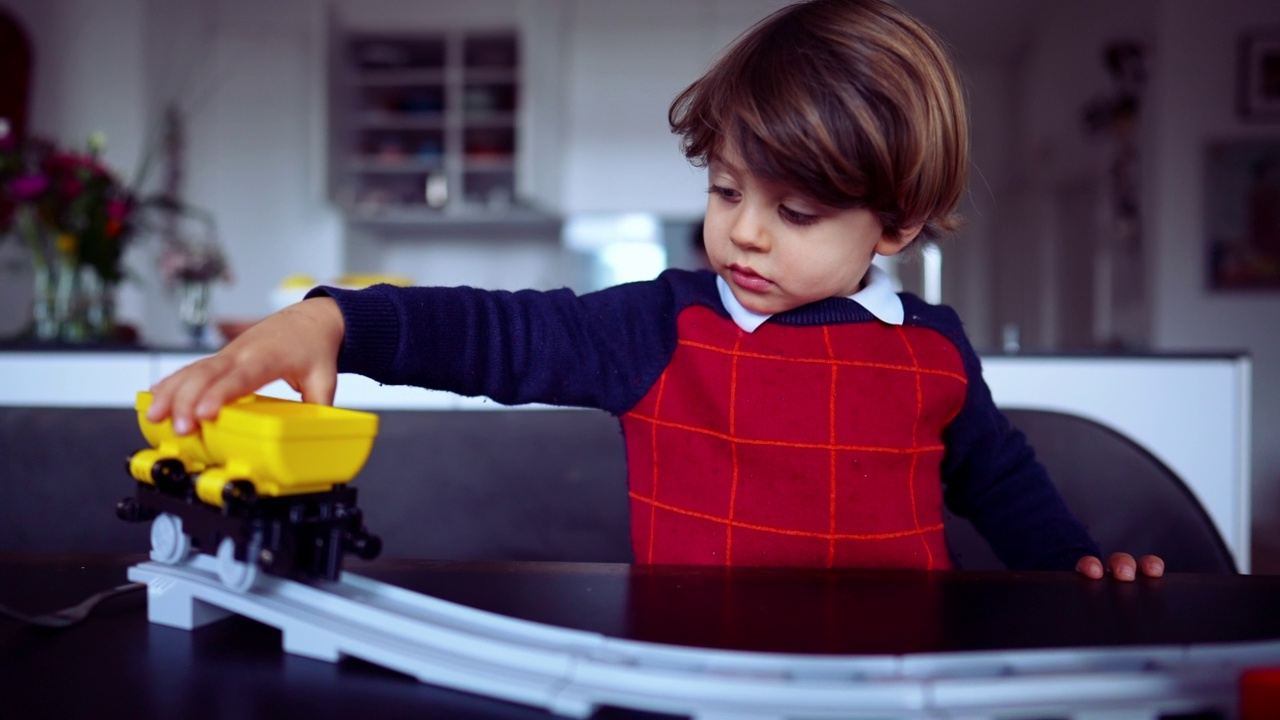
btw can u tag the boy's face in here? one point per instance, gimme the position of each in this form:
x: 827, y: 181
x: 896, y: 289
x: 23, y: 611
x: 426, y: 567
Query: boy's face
x: 778, y: 249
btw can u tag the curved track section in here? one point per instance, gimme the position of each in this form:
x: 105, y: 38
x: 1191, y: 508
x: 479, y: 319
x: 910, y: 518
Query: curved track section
x: 572, y: 672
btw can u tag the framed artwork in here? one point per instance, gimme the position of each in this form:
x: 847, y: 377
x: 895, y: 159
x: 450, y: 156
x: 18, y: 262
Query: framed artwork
x: 1259, y: 75
x: 1242, y: 214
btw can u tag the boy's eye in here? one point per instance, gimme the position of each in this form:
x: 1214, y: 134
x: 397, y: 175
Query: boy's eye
x: 796, y: 217
x: 723, y: 192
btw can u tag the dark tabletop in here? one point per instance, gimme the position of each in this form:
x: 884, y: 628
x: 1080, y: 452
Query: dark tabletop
x: 117, y: 664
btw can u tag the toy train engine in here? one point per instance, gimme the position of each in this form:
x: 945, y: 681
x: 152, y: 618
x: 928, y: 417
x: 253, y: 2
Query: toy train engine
x: 265, y: 485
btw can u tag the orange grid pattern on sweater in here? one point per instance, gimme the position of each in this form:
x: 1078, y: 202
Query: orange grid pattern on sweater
x: 817, y: 446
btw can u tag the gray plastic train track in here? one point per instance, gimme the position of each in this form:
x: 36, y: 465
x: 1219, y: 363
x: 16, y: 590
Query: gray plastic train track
x: 573, y: 672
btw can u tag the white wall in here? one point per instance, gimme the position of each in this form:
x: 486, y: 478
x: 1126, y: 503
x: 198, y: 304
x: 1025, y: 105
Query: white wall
x: 625, y: 63
x: 1049, y: 221
x: 1194, y: 102
x: 1189, y: 101
x: 619, y: 86
x: 256, y: 142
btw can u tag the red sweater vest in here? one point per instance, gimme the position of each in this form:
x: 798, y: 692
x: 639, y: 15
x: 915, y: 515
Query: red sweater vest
x: 813, y: 446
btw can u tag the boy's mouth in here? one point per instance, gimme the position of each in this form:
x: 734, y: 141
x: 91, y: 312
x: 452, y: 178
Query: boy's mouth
x: 748, y: 279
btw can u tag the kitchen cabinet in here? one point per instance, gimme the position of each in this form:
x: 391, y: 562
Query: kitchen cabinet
x: 427, y: 125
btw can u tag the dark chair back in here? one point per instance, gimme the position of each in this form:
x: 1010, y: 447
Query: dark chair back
x: 1126, y: 497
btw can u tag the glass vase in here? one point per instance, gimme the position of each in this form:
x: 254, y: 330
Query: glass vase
x: 46, y: 265
x: 58, y: 305
x: 99, y: 306
x: 44, y: 314
x: 193, y: 309
x: 69, y: 302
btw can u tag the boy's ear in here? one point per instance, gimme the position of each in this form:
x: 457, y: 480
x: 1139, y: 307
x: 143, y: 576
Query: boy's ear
x: 893, y: 244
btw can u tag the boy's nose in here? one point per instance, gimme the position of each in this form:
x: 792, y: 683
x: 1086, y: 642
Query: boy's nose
x: 747, y: 231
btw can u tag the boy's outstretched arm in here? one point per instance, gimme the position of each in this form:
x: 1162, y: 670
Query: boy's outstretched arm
x: 298, y: 344
x: 1122, y: 566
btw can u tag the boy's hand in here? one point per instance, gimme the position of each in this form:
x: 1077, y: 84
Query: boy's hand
x: 1122, y: 566
x: 299, y: 345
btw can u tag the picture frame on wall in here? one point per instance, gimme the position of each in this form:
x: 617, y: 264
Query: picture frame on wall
x: 1242, y: 214
x: 1259, y: 75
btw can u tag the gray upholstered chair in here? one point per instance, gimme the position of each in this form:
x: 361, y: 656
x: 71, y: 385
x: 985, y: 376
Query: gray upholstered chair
x: 1127, y: 498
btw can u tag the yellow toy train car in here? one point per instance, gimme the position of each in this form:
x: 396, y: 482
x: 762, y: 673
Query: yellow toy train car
x: 265, y: 485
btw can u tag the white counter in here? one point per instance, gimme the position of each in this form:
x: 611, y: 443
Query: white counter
x: 113, y: 379
x: 1193, y: 413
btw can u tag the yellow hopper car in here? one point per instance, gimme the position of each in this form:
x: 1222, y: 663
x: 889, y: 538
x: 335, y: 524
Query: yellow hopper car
x: 264, y: 485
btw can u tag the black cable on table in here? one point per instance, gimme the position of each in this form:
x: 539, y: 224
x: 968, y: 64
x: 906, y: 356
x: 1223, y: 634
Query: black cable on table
x: 69, y: 616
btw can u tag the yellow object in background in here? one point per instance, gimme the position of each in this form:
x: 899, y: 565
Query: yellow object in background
x: 295, y: 287
x: 348, y: 280
x: 283, y: 447
x: 295, y: 282
x: 363, y: 280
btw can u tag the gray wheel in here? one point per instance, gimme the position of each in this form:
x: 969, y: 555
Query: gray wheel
x: 169, y: 544
x: 236, y: 575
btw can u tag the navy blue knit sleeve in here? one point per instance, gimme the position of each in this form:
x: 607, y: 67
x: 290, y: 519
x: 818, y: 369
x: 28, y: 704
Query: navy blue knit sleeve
x: 992, y: 477
x: 600, y: 350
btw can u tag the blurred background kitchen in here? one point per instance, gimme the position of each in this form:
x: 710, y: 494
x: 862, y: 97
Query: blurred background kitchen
x: 1123, y: 196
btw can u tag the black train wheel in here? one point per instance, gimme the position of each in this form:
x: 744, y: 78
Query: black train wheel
x: 365, y: 545
x: 170, y: 475
x: 239, y: 493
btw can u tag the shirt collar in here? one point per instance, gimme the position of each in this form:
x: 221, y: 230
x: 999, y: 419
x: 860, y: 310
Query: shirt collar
x: 877, y: 296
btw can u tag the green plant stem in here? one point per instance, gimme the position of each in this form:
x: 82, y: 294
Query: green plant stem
x: 30, y: 230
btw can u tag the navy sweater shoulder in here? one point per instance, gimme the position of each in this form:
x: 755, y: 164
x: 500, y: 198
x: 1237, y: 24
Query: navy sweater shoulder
x: 602, y: 349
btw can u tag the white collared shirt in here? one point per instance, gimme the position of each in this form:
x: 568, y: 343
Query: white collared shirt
x: 877, y: 296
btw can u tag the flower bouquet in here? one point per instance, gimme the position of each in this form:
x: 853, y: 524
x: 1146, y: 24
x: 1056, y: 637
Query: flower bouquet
x: 76, y: 218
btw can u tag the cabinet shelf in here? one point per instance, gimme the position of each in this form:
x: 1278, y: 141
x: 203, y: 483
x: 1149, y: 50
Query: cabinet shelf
x: 400, y: 121
x: 397, y: 78
x: 427, y: 125
x: 490, y: 120
x: 408, y: 165
x: 496, y: 76
x: 486, y: 165
x: 407, y: 217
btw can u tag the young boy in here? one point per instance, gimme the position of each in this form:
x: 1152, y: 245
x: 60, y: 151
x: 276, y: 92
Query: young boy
x: 785, y: 407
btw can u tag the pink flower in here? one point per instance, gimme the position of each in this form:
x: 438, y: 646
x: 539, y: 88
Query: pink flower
x: 28, y: 187
x: 70, y: 187
x: 117, y: 210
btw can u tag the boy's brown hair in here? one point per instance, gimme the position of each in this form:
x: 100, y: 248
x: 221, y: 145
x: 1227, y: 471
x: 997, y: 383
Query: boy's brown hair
x: 853, y: 102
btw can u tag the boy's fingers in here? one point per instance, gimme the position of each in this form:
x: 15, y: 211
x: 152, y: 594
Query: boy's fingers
x: 187, y: 395
x: 1089, y: 566
x: 174, y: 397
x: 163, y: 395
x: 159, y: 409
x: 319, y: 387
x: 235, y: 378
x: 1152, y: 566
x: 1122, y: 566
x: 218, y: 393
